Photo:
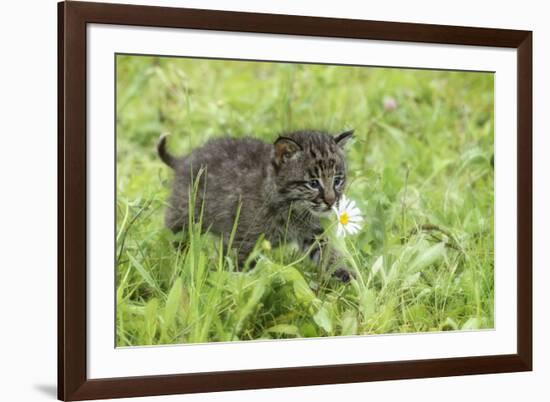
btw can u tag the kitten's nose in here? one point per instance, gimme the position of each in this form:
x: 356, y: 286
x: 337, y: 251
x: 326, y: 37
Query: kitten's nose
x: 330, y: 198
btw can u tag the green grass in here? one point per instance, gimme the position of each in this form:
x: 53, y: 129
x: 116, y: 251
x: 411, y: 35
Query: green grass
x: 421, y: 175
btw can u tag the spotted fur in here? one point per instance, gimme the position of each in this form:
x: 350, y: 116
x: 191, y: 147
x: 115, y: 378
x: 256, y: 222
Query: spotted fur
x: 281, y: 189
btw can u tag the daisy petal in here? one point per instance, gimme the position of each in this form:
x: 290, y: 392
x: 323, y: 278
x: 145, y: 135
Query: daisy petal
x: 344, y: 204
x: 357, y: 218
x: 354, y: 210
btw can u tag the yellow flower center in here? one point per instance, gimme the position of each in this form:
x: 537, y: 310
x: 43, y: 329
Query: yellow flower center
x: 344, y: 218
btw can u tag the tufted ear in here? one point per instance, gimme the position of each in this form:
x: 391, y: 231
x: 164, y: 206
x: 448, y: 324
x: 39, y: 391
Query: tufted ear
x: 342, y: 138
x: 285, y: 148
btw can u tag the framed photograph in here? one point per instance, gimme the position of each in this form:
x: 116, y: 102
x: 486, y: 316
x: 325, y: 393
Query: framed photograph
x: 253, y: 200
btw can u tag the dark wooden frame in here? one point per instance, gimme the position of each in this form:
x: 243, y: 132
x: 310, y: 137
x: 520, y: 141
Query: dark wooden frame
x: 73, y: 383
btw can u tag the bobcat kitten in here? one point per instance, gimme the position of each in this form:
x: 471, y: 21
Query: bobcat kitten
x: 282, y: 189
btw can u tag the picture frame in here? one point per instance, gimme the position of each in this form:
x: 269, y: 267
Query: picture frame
x: 74, y: 18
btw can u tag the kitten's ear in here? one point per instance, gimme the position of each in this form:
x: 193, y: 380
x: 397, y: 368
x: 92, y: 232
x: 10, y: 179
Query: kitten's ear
x: 342, y: 138
x: 285, y: 148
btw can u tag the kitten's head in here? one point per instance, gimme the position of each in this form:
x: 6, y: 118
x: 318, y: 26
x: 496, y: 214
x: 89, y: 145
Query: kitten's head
x: 310, y: 168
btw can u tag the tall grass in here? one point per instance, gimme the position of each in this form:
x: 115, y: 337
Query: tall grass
x: 421, y: 174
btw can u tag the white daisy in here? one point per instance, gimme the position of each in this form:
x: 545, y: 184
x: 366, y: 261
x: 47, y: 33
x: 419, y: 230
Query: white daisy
x: 349, y: 217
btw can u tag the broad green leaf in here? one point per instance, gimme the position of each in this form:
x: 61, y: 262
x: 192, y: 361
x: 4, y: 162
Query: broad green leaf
x: 449, y: 324
x: 378, y: 265
x: 472, y: 324
x: 322, y: 318
x: 367, y: 303
x: 252, y: 302
x: 387, y: 315
x: 309, y: 330
x: 349, y: 323
x: 151, y: 311
x: 284, y: 329
x: 173, y: 302
x: 302, y: 291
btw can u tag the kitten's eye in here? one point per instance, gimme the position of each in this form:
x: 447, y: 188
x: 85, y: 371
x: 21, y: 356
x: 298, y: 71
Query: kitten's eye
x: 338, y: 181
x: 314, y: 184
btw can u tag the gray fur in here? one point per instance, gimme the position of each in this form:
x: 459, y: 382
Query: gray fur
x: 271, y: 182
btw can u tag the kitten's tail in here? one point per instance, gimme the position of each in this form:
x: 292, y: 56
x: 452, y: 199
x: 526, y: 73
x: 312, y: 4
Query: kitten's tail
x: 164, y: 155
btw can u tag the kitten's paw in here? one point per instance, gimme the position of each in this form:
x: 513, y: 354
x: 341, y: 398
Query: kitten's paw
x: 344, y: 275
